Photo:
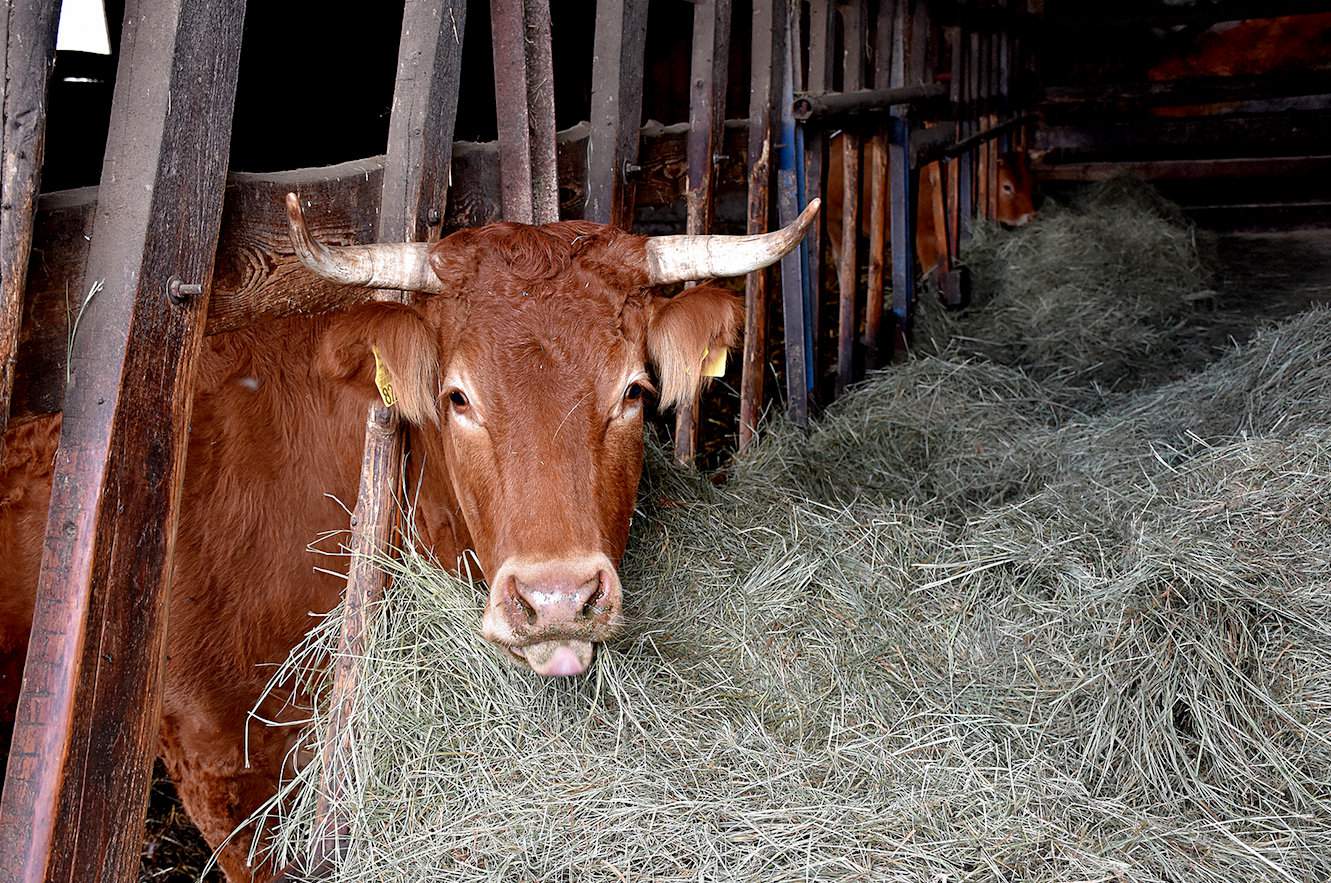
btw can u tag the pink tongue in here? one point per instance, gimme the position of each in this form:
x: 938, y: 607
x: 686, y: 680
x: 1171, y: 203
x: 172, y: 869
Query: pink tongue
x: 559, y: 659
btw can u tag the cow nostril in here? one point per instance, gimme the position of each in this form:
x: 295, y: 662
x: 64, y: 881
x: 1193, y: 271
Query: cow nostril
x: 517, y: 594
x: 597, y: 602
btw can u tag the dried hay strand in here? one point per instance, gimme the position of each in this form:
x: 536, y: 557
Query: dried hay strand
x: 968, y: 628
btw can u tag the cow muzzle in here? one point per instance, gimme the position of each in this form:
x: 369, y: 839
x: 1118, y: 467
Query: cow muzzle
x: 549, y: 614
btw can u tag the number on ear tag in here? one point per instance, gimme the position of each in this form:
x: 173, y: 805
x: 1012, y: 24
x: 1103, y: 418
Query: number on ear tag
x: 383, y: 379
x: 713, y: 365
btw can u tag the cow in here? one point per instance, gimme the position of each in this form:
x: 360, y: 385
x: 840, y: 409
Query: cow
x: 521, y: 375
x: 1252, y: 47
x: 1016, y: 202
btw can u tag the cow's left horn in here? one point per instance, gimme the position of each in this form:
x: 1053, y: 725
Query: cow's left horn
x: 401, y: 266
x: 685, y: 258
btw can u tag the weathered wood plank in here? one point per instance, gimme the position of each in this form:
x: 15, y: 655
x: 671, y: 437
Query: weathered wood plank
x: 525, y: 102
x: 86, y: 728
x: 413, y: 191
x: 707, y: 104
x: 28, y: 38
x: 616, y: 111
x: 1190, y: 169
x: 767, y: 57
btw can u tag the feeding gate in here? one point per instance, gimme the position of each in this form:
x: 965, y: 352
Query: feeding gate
x: 109, y: 292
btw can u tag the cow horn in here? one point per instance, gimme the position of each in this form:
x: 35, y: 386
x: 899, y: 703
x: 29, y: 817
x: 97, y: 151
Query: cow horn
x: 685, y: 258
x: 401, y: 266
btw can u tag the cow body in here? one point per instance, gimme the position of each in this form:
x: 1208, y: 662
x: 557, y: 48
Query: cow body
x: 1015, y: 203
x: 522, y: 392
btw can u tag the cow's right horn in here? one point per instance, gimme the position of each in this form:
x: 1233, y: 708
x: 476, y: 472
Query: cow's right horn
x: 687, y: 258
x: 401, y: 266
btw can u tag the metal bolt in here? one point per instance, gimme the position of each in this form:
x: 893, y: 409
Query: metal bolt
x: 631, y: 170
x: 180, y: 292
x: 434, y: 217
x: 718, y: 158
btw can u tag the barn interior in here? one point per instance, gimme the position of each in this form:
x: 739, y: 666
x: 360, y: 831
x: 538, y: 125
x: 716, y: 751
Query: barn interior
x: 1217, y: 111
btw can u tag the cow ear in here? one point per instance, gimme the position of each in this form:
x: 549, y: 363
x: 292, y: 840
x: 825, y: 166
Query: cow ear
x: 698, y: 324
x: 394, y: 338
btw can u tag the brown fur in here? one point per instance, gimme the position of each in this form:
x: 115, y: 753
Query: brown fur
x: 546, y: 324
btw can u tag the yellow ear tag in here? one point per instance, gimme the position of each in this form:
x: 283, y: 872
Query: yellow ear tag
x: 383, y: 380
x: 713, y: 365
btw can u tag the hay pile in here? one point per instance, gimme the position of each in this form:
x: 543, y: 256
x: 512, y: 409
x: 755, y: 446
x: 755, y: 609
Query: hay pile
x: 967, y: 629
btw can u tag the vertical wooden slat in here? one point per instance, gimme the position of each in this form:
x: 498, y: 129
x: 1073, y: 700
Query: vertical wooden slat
x: 707, y: 109
x: 877, y: 163
x: 789, y: 205
x: 616, y: 111
x: 29, y: 45
x: 86, y: 727
x: 525, y: 102
x: 766, y: 57
x: 411, y: 208
x: 815, y: 162
x: 852, y: 29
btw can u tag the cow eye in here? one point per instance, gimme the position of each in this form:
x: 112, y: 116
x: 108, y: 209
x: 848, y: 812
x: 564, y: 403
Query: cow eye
x: 458, y: 399
x: 1007, y: 188
x: 633, y: 393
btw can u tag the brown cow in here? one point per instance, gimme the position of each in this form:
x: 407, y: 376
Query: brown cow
x: 1016, y: 203
x: 522, y: 383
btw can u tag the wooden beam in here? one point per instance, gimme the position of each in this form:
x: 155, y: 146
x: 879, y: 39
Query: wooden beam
x: 525, y: 101
x: 1159, y: 13
x: 616, y: 110
x: 1190, y: 169
x: 29, y: 41
x: 1141, y: 98
x: 766, y: 58
x: 413, y: 191
x: 707, y: 107
x: 86, y: 728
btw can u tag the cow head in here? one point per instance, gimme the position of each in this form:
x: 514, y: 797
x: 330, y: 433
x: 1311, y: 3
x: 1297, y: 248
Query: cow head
x: 1016, y: 185
x: 529, y: 370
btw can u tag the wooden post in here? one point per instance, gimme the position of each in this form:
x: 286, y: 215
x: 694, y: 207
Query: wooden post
x: 616, y: 112
x: 29, y: 38
x: 767, y: 57
x: 966, y: 162
x: 789, y: 205
x: 852, y: 29
x: 910, y: 48
x: 525, y: 102
x: 86, y: 727
x: 411, y: 208
x: 815, y: 166
x: 707, y: 110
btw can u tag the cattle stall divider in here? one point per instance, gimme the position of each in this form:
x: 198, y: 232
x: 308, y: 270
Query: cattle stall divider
x: 918, y: 83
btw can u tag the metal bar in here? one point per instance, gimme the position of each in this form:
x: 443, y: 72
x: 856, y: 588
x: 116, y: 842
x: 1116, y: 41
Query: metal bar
x: 707, y: 108
x: 766, y: 58
x: 818, y: 81
x: 988, y: 134
x: 616, y: 109
x: 903, y: 227
x: 830, y: 107
x: 876, y: 290
x: 526, y: 112
x: 86, y: 725
x: 852, y: 29
x: 29, y: 37
x: 789, y: 205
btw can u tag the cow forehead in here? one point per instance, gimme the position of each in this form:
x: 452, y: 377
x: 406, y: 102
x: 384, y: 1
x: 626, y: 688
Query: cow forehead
x: 549, y: 339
